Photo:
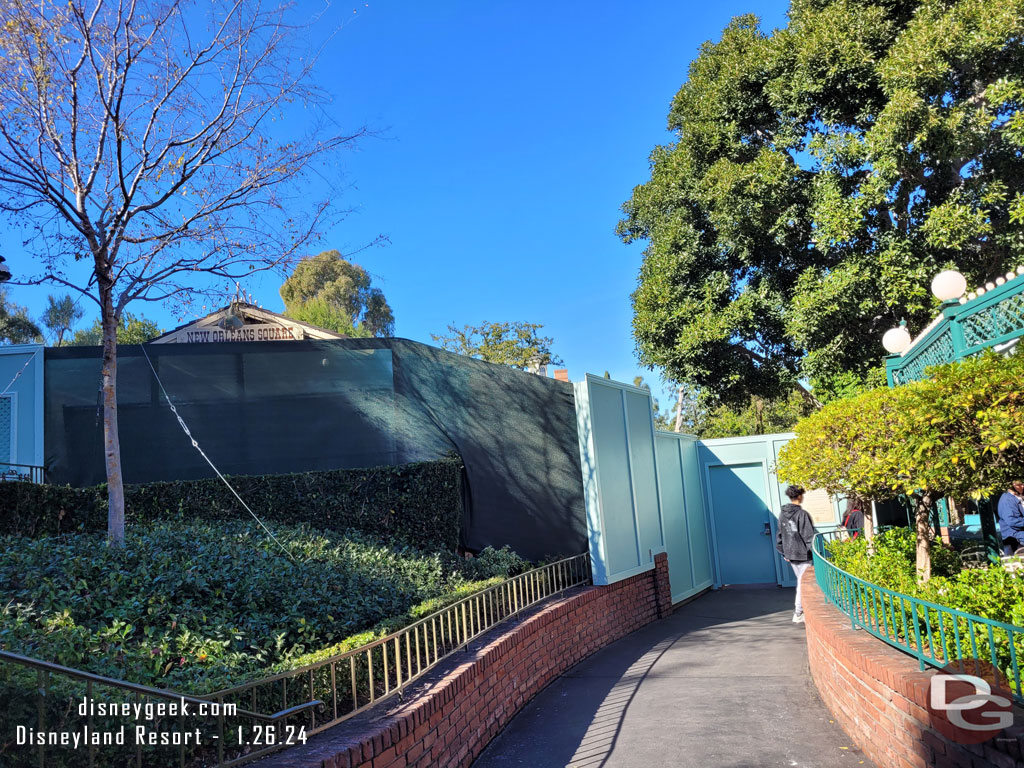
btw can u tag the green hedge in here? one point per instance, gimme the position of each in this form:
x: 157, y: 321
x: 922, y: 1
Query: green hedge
x: 420, y: 503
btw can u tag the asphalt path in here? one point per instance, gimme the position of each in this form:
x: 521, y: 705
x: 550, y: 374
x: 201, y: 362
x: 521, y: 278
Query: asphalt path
x: 722, y: 682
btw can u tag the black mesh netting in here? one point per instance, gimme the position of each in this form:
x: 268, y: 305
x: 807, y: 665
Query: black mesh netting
x: 276, y: 407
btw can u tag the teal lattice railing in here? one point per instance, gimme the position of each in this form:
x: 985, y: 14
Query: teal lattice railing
x: 994, y: 318
x: 994, y: 321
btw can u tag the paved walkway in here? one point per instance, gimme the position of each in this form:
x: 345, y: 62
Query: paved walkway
x: 721, y: 683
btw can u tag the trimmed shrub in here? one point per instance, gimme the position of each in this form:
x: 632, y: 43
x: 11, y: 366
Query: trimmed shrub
x: 418, y: 503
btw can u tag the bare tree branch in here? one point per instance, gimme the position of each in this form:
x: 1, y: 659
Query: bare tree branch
x: 155, y: 154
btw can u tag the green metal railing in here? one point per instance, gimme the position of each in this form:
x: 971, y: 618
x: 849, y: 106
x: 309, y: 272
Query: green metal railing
x: 934, y: 634
x: 243, y: 723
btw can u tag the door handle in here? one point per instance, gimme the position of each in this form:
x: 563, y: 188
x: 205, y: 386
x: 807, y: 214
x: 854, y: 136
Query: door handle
x: 767, y: 530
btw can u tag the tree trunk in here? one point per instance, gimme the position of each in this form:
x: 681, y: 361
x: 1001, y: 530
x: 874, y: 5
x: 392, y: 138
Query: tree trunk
x: 111, y: 443
x: 679, y: 412
x: 956, y: 511
x: 924, y: 536
x: 868, y: 509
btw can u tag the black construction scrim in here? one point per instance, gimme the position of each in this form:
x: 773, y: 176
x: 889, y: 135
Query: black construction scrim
x: 276, y: 407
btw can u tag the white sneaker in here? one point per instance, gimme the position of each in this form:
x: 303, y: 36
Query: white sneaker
x: 798, y: 618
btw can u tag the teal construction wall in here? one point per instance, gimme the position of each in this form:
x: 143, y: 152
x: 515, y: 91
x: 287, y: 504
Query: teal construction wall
x: 712, y: 505
x: 687, y: 539
x: 21, y: 417
x: 642, y: 490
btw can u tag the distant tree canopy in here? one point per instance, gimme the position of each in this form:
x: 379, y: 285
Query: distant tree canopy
x: 59, y: 317
x: 758, y: 416
x: 821, y: 175
x: 16, y: 327
x: 511, y: 344
x: 130, y: 330
x: 333, y: 293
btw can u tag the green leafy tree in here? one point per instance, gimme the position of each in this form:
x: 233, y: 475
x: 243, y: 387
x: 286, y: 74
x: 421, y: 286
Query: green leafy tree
x: 513, y: 344
x: 820, y: 176
x: 332, y: 292
x: 846, y: 449
x: 955, y: 434
x: 130, y: 330
x: 968, y: 425
x: 16, y: 327
x: 865, y: 447
x: 59, y: 316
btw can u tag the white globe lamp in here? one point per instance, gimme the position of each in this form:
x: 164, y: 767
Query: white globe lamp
x: 949, y: 285
x: 896, y: 340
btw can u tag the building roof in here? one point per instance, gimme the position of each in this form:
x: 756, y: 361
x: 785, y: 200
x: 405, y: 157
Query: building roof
x: 258, y: 324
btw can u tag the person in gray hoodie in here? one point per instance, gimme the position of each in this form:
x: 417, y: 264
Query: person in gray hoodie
x: 793, y: 541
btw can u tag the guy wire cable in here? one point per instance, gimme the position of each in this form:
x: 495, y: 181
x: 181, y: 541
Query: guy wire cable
x: 202, y: 453
x: 11, y: 384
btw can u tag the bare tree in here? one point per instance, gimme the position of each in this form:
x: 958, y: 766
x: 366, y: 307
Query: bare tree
x: 156, y: 143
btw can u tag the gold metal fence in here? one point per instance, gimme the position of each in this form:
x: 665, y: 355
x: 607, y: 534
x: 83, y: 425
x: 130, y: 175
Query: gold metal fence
x: 248, y: 721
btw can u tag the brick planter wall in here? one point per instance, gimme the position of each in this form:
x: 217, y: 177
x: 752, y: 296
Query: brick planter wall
x: 449, y: 719
x: 879, y: 696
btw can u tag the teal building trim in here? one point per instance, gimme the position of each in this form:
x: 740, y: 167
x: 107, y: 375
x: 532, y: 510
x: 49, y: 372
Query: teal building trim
x: 989, y: 320
x: 21, y: 417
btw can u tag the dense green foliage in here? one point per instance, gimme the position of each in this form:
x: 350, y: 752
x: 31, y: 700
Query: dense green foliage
x: 196, y: 606
x: 130, y: 330
x: 959, y: 433
x: 331, y: 292
x: 821, y: 175
x: 891, y: 561
x: 419, y: 503
x: 758, y: 416
x: 511, y: 344
x: 16, y: 327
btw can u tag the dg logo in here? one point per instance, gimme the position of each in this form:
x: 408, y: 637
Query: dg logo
x: 969, y: 702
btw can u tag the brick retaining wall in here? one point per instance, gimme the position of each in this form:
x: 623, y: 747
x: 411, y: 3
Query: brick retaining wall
x: 450, y: 718
x: 879, y: 696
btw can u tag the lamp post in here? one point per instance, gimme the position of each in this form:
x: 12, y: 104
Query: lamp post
x: 5, y: 271
x: 896, y: 340
x: 948, y: 287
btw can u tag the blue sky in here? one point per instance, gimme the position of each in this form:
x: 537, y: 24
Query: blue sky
x: 508, y: 136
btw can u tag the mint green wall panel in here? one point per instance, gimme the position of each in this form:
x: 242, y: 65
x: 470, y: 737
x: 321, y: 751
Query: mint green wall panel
x: 673, y: 505
x: 620, y: 478
x: 21, y: 374
x: 696, y: 515
x: 644, y: 474
x: 616, y: 488
x: 683, y: 514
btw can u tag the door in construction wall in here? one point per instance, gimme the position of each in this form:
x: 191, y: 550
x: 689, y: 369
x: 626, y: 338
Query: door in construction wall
x: 744, y: 534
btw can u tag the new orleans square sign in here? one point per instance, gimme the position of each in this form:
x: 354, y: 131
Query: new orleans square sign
x: 254, y: 332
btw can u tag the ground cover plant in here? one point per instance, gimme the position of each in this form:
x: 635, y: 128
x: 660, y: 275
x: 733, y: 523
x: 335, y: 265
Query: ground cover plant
x: 195, y: 606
